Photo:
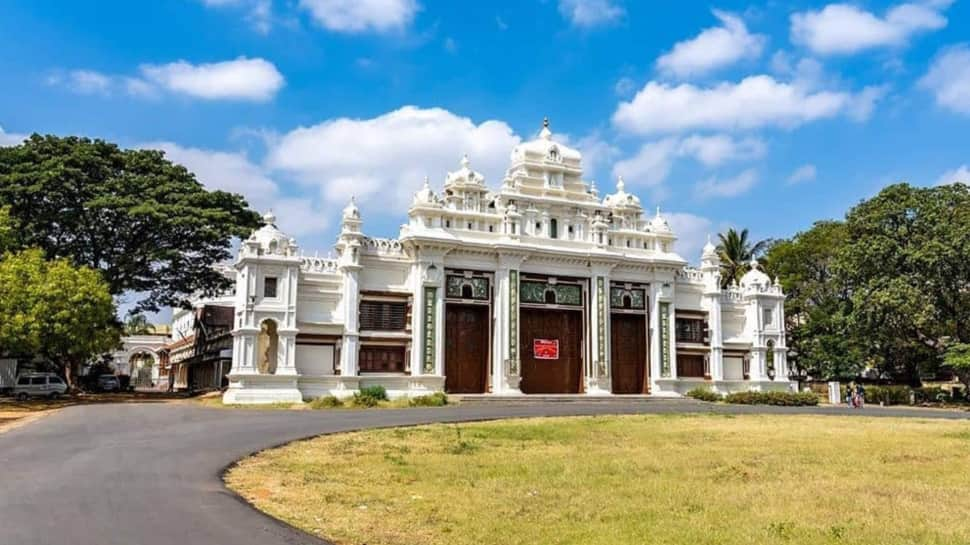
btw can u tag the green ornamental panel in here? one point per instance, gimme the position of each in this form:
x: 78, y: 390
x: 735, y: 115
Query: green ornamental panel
x: 665, y: 339
x: 429, y: 328
x: 637, y: 298
x: 455, y: 284
x: 601, y: 321
x: 533, y: 291
x: 513, y: 322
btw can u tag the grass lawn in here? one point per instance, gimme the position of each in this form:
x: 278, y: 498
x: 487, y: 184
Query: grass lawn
x: 626, y: 480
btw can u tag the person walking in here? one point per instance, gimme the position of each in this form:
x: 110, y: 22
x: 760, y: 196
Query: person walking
x: 860, y: 396
x: 850, y: 395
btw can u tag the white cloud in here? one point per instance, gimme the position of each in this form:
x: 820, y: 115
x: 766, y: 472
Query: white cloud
x: 730, y: 187
x: 960, y: 174
x: 844, y: 28
x: 624, y: 86
x: 716, y: 149
x: 240, y: 79
x: 361, y: 15
x: 651, y: 164
x: 590, y: 13
x: 804, y: 173
x: 82, y: 82
x: 259, y: 13
x: 384, y: 159
x: 713, y: 48
x: 949, y: 79
x: 754, y: 102
x: 692, y: 232
x: 234, y: 172
x: 228, y: 171
x: 11, y: 138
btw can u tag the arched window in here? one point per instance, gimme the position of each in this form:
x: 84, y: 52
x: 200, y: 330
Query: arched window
x: 466, y: 291
x: 553, y: 228
x: 550, y: 297
x: 267, y: 347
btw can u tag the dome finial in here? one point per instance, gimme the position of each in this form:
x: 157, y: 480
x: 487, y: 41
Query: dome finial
x: 658, y: 210
x: 545, y: 133
x: 464, y: 160
x: 620, y: 186
x: 269, y: 218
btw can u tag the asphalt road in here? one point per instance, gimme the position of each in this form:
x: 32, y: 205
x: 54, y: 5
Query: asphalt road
x: 150, y: 474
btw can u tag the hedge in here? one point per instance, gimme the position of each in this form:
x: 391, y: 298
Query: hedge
x: 704, y: 394
x: 788, y: 399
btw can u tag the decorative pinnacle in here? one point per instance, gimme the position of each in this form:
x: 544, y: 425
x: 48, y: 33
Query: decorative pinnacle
x: 269, y: 218
x: 620, y: 186
x: 464, y: 161
x: 545, y: 122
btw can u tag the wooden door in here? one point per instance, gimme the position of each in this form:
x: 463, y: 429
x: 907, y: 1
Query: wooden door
x: 545, y: 374
x: 628, y: 353
x: 466, y: 348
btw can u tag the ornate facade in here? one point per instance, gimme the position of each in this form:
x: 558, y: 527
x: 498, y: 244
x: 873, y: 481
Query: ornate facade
x: 540, y: 287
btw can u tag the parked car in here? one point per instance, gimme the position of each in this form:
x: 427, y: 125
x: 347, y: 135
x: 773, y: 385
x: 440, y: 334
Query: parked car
x: 39, y: 385
x: 109, y: 383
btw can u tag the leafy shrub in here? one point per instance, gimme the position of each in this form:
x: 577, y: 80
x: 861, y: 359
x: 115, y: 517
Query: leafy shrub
x: 326, y: 402
x: 437, y: 399
x: 788, y: 399
x: 930, y: 394
x: 887, y: 395
x: 376, y: 392
x: 361, y: 400
x: 704, y: 394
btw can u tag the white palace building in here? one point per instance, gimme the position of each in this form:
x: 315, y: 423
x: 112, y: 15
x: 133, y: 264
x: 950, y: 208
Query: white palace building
x: 542, y: 287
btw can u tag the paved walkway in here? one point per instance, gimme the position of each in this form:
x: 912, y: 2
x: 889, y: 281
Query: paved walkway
x: 150, y: 474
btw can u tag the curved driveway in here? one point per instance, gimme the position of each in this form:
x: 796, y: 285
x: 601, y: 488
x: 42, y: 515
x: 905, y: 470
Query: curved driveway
x: 150, y: 474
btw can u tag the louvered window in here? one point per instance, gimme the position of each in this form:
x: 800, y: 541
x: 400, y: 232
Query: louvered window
x: 383, y: 315
x: 381, y: 359
x: 690, y: 330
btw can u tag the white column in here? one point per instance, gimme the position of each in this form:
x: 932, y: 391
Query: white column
x: 417, y: 319
x: 598, y: 372
x: 286, y: 353
x: 439, y: 339
x: 508, y: 361
x: 351, y: 340
x: 715, y: 331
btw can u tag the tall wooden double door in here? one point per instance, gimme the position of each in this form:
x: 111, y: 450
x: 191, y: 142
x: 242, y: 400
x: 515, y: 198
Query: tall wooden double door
x: 550, y: 350
x: 466, y: 348
x: 628, y: 353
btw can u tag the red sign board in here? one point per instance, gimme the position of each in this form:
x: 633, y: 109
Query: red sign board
x: 545, y: 349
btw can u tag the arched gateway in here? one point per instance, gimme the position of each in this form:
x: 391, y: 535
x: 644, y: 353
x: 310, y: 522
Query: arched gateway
x: 539, y: 287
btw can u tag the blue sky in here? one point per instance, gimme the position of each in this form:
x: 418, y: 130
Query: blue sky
x: 761, y: 115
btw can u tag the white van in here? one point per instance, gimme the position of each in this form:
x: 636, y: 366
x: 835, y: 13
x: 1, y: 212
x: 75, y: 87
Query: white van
x: 39, y: 385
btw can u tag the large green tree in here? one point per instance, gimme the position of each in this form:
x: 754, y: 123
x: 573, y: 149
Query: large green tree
x: 147, y: 224
x: 905, y: 258
x: 56, y: 310
x: 818, y: 305
x: 736, y: 251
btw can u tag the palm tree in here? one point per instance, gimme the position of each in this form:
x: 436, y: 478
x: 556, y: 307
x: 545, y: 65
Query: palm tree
x: 736, y: 252
x: 137, y: 324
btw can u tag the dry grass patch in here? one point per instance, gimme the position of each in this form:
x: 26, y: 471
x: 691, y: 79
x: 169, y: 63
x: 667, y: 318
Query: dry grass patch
x: 626, y: 480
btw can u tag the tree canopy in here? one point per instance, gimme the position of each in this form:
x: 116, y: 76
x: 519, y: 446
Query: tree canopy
x: 147, y: 224
x: 56, y: 310
x: 889, y: 287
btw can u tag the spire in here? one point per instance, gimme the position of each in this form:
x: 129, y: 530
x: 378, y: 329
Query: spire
x: 465, y: 163
x: 620, y: 186
x: 545, y: 133
x: 269, y: 218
